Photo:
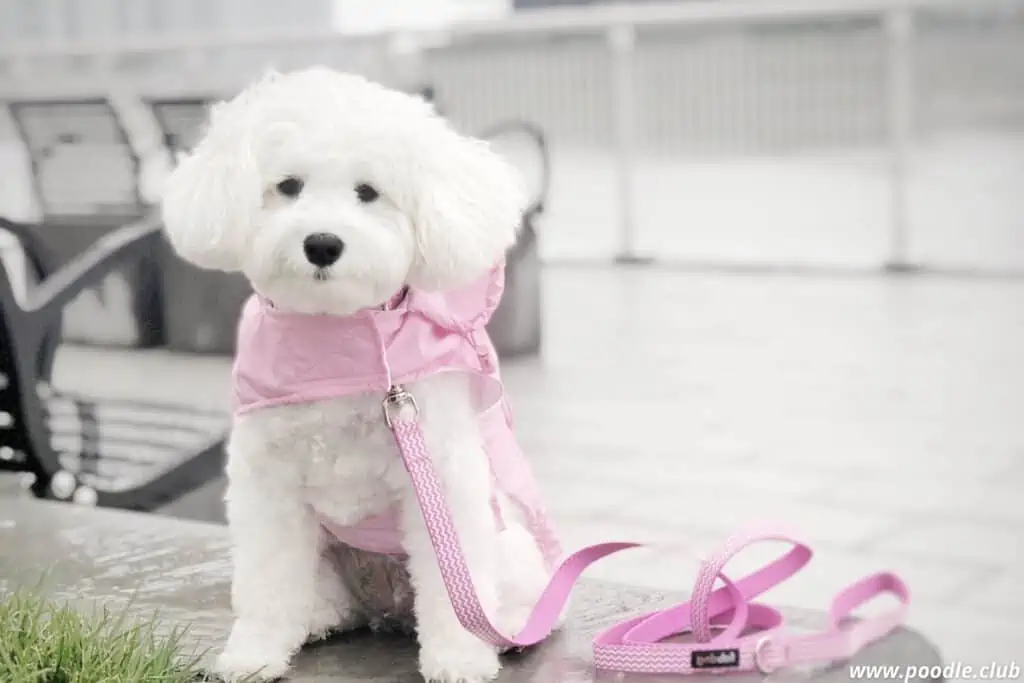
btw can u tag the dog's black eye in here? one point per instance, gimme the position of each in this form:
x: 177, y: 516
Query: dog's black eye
x: 366, y: 193
x: 290, y: 186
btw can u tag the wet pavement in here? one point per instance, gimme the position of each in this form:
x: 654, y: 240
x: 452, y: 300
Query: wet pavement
x: 884, y: 417
x: 116, y: 560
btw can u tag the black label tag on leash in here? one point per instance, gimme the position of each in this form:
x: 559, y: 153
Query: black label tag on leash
x: 714, y: 659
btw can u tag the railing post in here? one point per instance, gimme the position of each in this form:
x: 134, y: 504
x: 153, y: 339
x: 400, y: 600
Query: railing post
x: 54, y: 20
x: 621, y: 40
x: 899, y: 30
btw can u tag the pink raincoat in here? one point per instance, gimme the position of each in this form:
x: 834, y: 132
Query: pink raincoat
x: 287, y: 358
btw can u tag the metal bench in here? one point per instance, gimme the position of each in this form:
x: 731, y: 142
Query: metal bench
x: 85, y: 174
x: 120, y: 453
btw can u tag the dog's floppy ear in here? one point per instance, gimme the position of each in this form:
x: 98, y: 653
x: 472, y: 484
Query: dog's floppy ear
x: 210, y: 198
x: 468, y: 209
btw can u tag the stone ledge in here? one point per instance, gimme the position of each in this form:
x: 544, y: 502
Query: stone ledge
x: 180, y: 569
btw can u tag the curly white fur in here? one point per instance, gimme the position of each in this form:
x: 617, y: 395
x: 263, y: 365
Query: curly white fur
x: 447, y: 210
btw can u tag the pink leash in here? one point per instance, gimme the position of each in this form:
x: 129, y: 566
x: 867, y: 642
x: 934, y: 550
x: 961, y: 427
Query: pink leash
x: 636, y: 645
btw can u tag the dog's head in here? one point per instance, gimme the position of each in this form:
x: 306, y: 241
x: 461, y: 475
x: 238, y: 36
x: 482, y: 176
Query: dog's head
x: 330, y: 192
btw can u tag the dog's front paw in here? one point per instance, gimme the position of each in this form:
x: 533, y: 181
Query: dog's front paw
x: 252, y: 656
x: 465, y: 659
x: 251, y: 666
x: 329, y: 620
x: 512, y: 618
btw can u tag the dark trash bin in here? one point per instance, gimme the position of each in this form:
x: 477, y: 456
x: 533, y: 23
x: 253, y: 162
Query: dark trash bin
x: 516, y: 327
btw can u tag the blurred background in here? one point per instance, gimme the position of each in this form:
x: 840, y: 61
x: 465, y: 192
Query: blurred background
x: 773, y: 269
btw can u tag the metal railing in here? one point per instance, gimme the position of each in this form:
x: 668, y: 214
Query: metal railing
x: 699, y: 81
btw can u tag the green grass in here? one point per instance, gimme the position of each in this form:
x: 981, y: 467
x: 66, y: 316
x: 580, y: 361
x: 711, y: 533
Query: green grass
x: 47, y: 642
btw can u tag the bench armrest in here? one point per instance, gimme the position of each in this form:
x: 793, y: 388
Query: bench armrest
x: 25, y: 240
x: 118, y: 247
x: 24, y: 236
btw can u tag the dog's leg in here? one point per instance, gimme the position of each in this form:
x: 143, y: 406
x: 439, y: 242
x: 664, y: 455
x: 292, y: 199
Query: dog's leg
x: 276, y: 551
x: 449, y: 653
x: 524, y: 575
x: 334, y: 609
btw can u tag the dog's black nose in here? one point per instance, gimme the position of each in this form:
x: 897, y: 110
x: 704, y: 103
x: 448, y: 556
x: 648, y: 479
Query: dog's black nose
x: 322, y: 249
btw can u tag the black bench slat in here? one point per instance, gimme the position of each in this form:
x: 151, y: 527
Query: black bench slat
x: 124, y: 431
x: 82, y: 159
x: 159, y: 410
x: 110, y: 473
x: 174, y: 421
x: 123, y: 449
x: 181, y: 121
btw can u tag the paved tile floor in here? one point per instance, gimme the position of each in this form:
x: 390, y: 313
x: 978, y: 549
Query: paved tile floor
x: 883, y: 417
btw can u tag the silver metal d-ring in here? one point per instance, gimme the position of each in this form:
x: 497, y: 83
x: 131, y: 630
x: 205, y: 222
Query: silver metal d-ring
x: 759, y: 655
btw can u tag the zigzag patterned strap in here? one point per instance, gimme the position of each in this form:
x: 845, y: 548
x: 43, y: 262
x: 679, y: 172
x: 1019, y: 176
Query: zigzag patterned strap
x: 751, y: 634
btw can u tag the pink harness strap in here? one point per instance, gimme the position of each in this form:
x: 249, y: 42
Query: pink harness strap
x: 636, y: 645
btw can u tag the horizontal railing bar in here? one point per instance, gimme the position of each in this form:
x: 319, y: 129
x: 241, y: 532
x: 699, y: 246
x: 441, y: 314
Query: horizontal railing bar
x: 562, y: 20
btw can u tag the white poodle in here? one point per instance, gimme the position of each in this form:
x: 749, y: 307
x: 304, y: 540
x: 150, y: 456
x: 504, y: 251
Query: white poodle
x: 332, y: 194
